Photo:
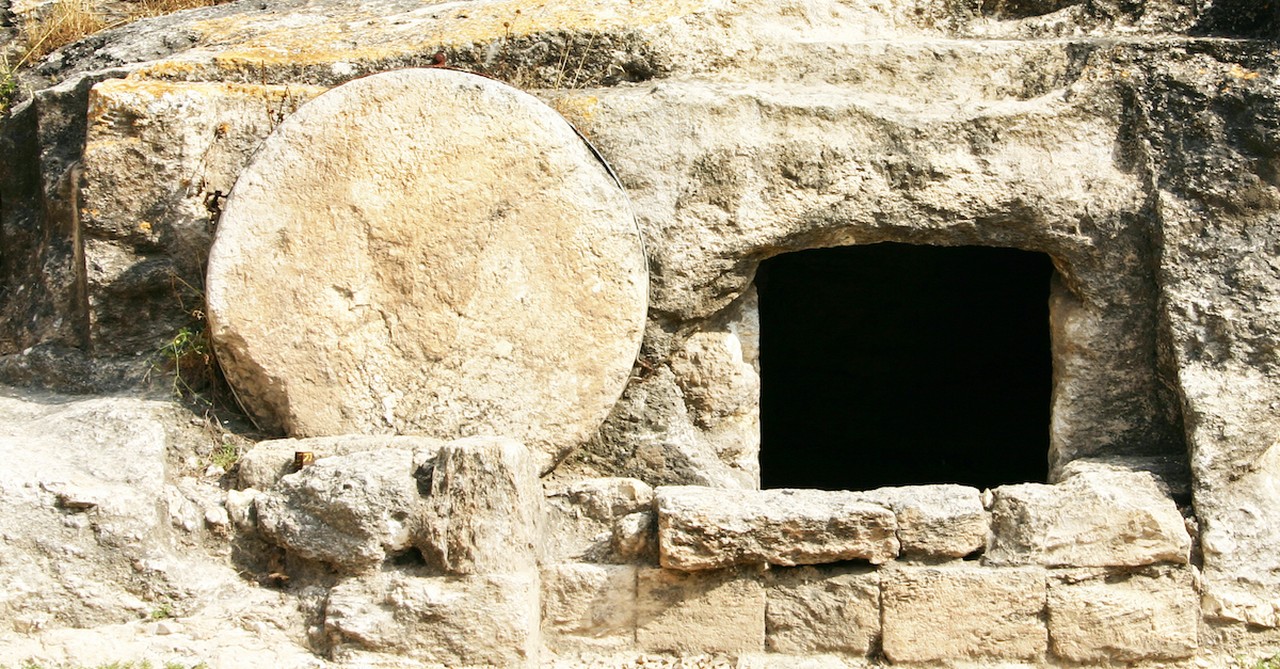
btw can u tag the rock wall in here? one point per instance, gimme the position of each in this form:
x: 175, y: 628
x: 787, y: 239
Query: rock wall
x: 1134, y: 143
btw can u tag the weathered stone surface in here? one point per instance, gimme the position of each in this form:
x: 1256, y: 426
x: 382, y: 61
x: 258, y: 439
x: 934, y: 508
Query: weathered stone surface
x: 934, y: 521
x: 718, y: 611
x: 588, y: 606
x: 708, y: 528
x: 598, y: 520
x: 94, y: 494
x: 1170, y: 472
x: 1097, y: 618
x: 609, y: 498
x: 1236, y: 469
x: 81, y: 493
x: 1145, y: 168
x: 152, y: 236
x: 488, y: 620
x: 635, y: 537
x: 269, y: 461
x: 240, y: 508
x: 963, y: 612
x: 437, y: 304
x: 827, y: 138
x: 657, y: 433
x: 350, y: 511
x: 717, y: 382
x: 1093, y: 519
x: 483, y: 510
x: 238, y: 626
x: 823, y: 610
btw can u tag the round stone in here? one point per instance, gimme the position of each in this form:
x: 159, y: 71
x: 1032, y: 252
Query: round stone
x: 428, y: 252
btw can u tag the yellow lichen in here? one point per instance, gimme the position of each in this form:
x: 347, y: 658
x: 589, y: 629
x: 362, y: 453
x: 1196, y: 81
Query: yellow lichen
x: 138, y: 91
x: 580, y: 110
x: 1241, y: 73
x: 244, y: 43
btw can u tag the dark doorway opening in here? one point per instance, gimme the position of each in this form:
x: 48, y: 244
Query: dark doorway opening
x: 895, y: 364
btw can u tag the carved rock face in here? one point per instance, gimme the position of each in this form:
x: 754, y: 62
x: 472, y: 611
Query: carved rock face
x: 428, y: 252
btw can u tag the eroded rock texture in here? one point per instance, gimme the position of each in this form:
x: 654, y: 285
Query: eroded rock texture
x: 705, y: 528
x: 1090, y: 520
x: 1134, y: 143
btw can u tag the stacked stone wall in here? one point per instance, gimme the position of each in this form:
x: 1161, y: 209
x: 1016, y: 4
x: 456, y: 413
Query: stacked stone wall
x: 1093, y: 569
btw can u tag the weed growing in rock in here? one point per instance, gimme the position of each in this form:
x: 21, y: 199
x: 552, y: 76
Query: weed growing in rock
x: 68, y: 21
x: 8, y: 83
x: 1272, y: 662
x: 146, y: 8
x: 187, y: 364
x: 165, y: 610
x: 226, y: 454
x: 187, y: 359
x: 277, y: 105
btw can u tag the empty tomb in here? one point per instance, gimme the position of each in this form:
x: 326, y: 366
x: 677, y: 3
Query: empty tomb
x: 898, y: 364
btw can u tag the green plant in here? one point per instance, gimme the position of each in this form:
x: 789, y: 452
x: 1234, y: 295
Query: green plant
x: 1272, y: 662
x: 226, y: 454
x: 188, y: 360
x: 8, y: 84
x: 164, y: 610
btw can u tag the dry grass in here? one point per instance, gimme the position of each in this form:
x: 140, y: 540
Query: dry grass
x: 67, y: 21
x: 145, y: 8
x: 72, y: 20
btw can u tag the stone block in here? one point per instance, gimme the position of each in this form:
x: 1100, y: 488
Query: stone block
x: 487, y: 620
x: 703, y: 612
x: 269, y: 461
x: 710, y: 528
x: 585, y: 521
x: 635, y: 537
x: 1096, y: 518
x: 609, y: 498
x: 717, y: 382
x: 1129, y: 618
x: 963, y: 612
x: 822, y: 610
x: 1170, y: 472
x: 588, y: 606
x: 484, y: 511
x: 349, y: 511
x: 936, y: 521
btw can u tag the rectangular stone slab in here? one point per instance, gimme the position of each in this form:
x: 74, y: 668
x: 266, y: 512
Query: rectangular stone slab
x: 931, y: 614
x: 1093, y: 519
x: 936, y: 521
x: 822, y: 610
x: 1148, y: 616
x: 704, y: 612
x: 588, y: 606
x: 710, y: 528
